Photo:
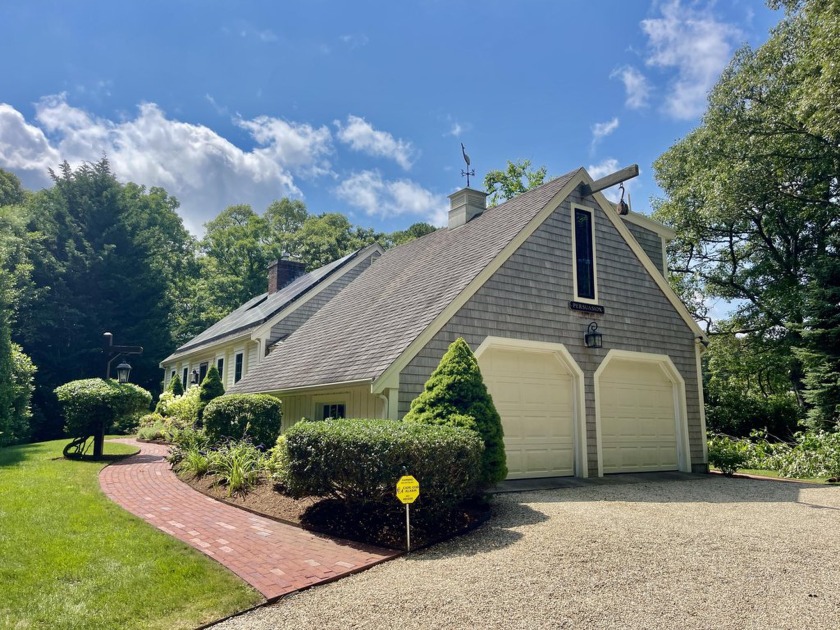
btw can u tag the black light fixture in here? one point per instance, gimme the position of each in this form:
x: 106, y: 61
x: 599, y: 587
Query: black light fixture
x: 592, y: 338
x: 194, y: 377
x: 123, y: 371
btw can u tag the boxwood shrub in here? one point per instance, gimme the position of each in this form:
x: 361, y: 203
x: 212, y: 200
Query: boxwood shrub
x: 92, y: 405
x: 360, y: 461
x: 237, y: 416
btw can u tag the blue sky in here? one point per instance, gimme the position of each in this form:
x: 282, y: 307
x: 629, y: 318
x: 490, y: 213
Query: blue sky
x: 356, y: 107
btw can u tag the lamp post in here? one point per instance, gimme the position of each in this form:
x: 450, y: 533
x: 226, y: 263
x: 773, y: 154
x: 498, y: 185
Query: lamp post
x: 112, y: 352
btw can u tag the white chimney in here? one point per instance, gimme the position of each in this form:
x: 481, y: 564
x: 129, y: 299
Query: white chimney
x: 464, y: 205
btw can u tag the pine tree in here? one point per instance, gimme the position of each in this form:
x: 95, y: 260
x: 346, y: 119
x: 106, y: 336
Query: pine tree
x: 821, y: 356
x: 211, y: 387
x: 175, y: 386
x: 456, y: 395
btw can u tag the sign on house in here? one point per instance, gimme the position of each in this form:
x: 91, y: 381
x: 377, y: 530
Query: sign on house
x: 408, y: 489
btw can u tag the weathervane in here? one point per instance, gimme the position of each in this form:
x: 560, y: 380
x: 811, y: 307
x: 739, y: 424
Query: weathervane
x: 468, y: 173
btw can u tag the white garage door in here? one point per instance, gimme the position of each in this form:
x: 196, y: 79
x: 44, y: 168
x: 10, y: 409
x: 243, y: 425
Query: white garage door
x: 638, y: 425
x: 533, y: 393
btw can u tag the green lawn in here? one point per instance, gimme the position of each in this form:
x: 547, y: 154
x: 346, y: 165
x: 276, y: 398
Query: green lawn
x: 775, y: 474
x: 69, y: 558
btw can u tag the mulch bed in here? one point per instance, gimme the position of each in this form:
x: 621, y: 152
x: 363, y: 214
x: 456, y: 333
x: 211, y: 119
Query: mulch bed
x: 374, y: 525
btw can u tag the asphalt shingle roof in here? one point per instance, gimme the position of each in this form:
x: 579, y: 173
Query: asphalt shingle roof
x: 361, y: 331
x: 258, y: 310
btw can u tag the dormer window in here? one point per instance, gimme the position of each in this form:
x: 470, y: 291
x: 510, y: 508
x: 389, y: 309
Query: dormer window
x: 583, y: 245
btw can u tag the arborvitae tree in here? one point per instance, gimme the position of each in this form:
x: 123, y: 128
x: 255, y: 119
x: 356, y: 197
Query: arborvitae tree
x: 175, y: 386
x: 456, y: 395
x: 821, y: 355
x: 211, y: 387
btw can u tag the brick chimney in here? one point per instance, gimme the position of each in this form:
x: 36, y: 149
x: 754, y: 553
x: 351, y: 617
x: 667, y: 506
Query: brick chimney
x: 465, y: 205
x: 282, y: 273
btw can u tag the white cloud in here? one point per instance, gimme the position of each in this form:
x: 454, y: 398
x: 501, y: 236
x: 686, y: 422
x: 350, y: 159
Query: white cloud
x: 603, y: 168
x: 636, y: 86
x: 694, y: 44
x: 602, y: 130
x: 205, y: 171
x: 361, y: 136
x: 25, y: 149
x: 389, y: 198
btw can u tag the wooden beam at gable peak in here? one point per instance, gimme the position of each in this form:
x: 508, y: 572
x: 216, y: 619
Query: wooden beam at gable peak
x: 628, y: 172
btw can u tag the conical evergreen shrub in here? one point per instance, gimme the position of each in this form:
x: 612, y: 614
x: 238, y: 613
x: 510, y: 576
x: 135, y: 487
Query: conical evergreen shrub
x: 211, y: 387
x: 456, y: 395
x: 175, y: 386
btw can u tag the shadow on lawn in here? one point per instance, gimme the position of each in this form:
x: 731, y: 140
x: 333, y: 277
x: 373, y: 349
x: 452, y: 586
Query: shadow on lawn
x: 11, y: 455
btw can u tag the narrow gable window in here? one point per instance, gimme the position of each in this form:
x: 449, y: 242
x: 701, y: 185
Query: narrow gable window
x: 584, y: 251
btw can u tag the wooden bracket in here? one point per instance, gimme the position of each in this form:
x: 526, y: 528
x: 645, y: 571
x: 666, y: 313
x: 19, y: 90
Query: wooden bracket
x: 623, y: 175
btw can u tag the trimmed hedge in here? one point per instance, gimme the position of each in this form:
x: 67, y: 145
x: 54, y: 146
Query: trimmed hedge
x: 237, y: 416
x: 94, y: 404
x: 360, y: 461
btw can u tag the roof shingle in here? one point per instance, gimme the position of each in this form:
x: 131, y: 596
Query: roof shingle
x: 361, y: 331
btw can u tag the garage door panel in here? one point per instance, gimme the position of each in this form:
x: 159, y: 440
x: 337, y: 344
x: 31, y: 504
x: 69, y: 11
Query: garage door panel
x: 533, y: 394
x: 638, y: 418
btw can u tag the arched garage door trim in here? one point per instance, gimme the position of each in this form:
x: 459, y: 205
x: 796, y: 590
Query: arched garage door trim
x: 680, y: 414
x: 565, y: 358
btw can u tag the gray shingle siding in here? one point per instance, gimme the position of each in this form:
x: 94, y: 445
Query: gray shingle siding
x: 527, y: 298
x: 650, y: 241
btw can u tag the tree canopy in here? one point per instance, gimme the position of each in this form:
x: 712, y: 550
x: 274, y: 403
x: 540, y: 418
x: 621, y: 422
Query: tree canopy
x: 516, y: 178
x: 753, y: 192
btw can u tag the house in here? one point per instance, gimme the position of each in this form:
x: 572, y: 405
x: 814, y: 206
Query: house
x: 237, y: 343
x: 523, y: 283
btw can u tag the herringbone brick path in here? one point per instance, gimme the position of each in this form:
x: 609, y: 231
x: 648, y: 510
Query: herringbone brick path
x: 273, y: 557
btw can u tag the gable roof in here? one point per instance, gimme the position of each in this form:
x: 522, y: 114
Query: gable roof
x: 362, y: 331
x: 377, y: 324
x: 263, y: 307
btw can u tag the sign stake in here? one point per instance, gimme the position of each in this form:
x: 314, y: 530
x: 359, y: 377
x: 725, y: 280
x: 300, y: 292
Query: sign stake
x: 407, y: 530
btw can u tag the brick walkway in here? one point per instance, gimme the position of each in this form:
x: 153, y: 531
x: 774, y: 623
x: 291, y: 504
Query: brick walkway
x: 274, y: 558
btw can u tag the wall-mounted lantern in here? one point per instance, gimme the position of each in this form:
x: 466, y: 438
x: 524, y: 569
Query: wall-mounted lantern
x: 592, y: 338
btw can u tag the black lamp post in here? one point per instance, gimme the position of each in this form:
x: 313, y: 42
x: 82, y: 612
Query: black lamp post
x: 113, y: 352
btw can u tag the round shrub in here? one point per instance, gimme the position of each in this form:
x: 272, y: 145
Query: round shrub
x: 727, y: 454
x: 94, y: 404
x: 183, y: 408
x: 360, y: 461
x: 237, y: 416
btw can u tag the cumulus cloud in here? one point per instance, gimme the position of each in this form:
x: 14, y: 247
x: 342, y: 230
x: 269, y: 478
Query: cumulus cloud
x: 205, y: 171
x: 636, y: 86
x: 695, y: 44
x: 360, y: 135
x: 376, y: 196
x: 602, y: 130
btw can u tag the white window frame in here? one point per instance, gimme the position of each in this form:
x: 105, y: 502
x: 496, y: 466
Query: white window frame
x: 578, y: 297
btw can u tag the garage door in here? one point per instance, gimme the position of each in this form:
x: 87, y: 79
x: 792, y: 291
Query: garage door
x: 533, y: 393
x: 638, y: 424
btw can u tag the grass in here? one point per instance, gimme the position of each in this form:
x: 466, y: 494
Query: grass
x: 70, y: 558
x: 775, y: 474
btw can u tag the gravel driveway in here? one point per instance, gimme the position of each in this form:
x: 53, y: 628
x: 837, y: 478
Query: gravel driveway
x: 708, y: 552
